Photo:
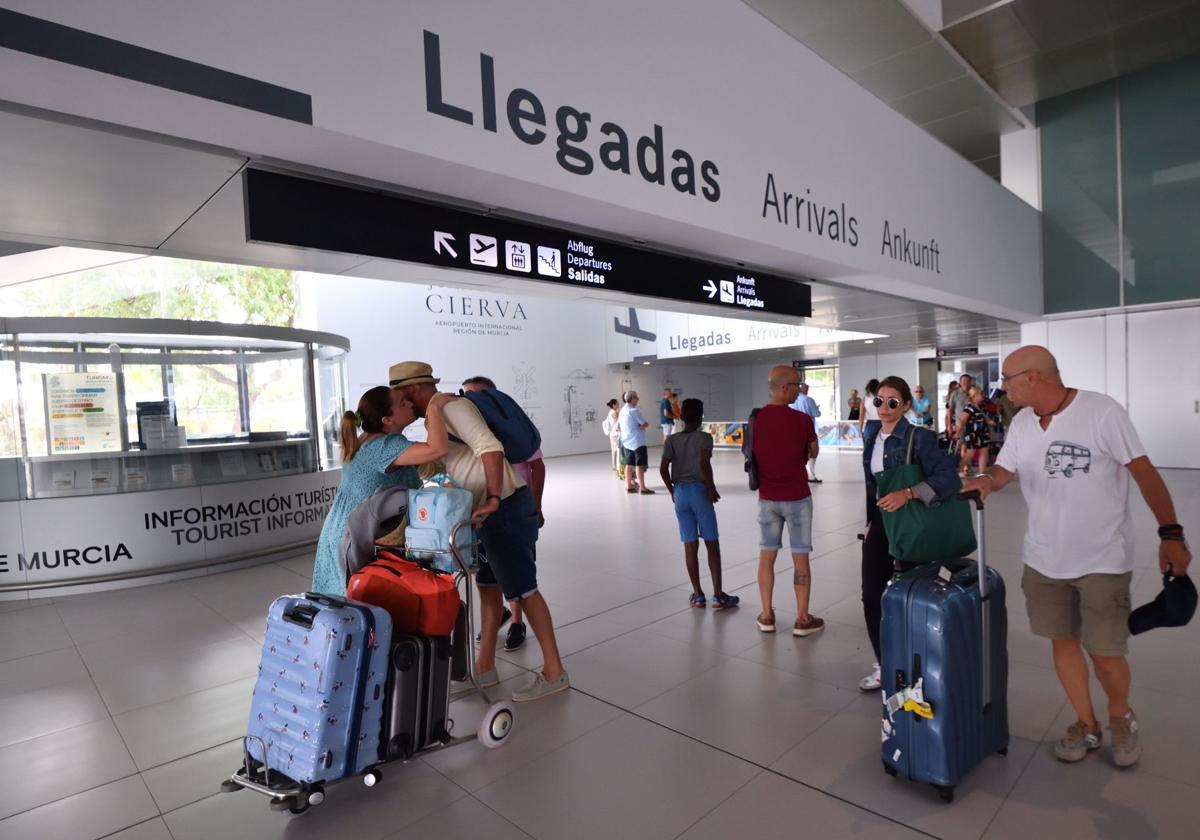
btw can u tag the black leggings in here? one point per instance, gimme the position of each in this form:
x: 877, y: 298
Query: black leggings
x: 878, y: 566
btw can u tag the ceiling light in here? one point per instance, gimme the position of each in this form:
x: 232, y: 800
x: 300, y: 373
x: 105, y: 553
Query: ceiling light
x: 869, y: 341
x: 645, y: 363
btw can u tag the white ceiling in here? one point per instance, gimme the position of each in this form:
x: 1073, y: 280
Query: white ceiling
x: 898, y: 54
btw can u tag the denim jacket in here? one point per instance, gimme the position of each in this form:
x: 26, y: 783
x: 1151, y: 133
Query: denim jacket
x: 940, y: 468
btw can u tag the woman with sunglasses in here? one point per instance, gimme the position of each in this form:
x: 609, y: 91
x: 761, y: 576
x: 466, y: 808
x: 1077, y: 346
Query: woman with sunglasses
x: 884, y: 447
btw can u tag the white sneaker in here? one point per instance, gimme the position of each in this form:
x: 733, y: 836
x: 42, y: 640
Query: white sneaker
x: 871, y: 681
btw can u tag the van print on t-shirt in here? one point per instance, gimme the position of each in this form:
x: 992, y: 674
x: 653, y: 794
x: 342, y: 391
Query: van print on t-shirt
x: 1065, y: 457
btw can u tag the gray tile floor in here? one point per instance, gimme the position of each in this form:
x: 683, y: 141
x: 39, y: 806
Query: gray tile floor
x: 122, y: 710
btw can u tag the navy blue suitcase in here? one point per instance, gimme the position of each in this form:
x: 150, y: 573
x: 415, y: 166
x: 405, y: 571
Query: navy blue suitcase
x: 945, y: 670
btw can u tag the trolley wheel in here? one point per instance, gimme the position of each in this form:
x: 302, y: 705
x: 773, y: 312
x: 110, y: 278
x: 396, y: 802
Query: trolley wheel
x: 230, y: 786
x: 946, y: 793
x: 283, y: 803
x: 496, y: 725
x: 372, y: 776
x: 889, y: 769
x: 298, y: 810
x: 315, y: 796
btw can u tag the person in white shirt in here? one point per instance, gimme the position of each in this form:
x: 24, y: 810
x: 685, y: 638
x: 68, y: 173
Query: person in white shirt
x: 1075, y: 452
x: 612, y: 431
x: 633, y: 440
x: 809, y: 406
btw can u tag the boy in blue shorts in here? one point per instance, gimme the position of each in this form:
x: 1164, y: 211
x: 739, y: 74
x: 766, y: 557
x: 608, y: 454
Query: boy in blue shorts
x: 686, y: 470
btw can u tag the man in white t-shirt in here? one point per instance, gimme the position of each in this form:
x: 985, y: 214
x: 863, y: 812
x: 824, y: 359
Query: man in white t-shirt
x: 1075, y: 452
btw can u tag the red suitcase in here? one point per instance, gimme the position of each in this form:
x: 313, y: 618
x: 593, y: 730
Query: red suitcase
x: 419, y: 601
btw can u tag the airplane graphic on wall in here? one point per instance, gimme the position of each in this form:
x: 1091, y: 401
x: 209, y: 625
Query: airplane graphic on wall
x: 635, y: 331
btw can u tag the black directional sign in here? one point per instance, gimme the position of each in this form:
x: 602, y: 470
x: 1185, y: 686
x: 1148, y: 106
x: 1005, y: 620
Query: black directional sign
x: 301, y: 212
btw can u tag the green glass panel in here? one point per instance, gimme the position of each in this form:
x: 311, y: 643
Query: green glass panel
x: 1160, y: 165
x: 1080, y: 242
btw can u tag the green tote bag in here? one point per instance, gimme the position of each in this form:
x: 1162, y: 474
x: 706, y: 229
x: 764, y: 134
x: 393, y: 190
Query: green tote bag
x: 920, y: 534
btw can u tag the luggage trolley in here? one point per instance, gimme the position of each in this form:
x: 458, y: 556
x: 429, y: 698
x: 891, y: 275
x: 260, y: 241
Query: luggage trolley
x: 286, y: 794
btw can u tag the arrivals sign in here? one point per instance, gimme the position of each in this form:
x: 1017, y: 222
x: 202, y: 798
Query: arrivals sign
x: 287, y: 210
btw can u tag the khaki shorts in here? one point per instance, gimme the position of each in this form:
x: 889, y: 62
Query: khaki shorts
x: 1093, y: 609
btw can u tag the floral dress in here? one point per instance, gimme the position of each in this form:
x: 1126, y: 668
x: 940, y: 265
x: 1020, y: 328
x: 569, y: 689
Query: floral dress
x: 361, y: 477
x: 976, y: 434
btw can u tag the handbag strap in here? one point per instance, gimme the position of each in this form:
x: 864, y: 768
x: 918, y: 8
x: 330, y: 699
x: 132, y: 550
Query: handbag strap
x: 912, y: 433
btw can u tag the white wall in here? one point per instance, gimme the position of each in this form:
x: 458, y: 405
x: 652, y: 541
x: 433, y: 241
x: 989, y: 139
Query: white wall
x: 856, y: 370
x: 548, y: 354
x: 1020, y: 165
x: 1144, y: 360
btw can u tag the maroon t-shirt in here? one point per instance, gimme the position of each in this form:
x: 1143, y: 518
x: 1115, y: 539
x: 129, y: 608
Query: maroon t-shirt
x: 781, y: 438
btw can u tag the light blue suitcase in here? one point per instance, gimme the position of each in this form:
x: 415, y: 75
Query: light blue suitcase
x: 433, y: 513
x: 318, y: 703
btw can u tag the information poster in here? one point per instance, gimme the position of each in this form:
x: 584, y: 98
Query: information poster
x: 82, y: 412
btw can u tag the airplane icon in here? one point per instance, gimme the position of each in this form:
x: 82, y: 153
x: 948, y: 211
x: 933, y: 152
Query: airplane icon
x: 483, y: 250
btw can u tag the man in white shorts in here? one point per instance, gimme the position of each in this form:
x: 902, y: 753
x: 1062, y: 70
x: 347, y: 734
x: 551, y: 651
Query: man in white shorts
x: 1075, y: 451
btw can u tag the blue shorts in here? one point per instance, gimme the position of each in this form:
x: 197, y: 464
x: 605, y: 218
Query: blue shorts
x: 509, y: 538
x: 797, y: 515
x: 696, y: 515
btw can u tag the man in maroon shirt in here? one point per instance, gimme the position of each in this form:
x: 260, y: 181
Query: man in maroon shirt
x: 784, y: 440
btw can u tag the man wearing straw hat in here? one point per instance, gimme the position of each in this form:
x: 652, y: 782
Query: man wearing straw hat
x: 509, y: 532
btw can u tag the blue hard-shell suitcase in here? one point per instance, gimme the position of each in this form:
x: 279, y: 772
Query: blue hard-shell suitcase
x: 318, y: 703
x: 944, y: 670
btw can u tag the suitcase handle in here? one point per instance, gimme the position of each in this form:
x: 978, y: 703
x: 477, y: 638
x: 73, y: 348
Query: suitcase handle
x: 985, y: 601
x: 302, y: 614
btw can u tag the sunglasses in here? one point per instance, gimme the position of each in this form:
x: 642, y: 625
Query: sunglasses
x: 892, y: 402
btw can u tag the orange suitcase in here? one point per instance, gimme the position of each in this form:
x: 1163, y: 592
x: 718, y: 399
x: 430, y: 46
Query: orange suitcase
x: 419, y: 601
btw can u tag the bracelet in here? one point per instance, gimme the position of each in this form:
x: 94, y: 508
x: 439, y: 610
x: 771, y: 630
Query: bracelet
x: 1173, y: 538
x: 494, y: 496
x: 984, y: 475
x: 1172, y: 530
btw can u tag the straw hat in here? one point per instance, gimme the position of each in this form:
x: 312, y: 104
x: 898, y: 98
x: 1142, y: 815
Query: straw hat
x: 411, y: 373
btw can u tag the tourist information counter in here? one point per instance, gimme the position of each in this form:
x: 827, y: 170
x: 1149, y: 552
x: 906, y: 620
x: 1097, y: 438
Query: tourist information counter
x: 133, y: 451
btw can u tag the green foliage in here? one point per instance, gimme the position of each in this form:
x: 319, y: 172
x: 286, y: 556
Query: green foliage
x: 157, y: 287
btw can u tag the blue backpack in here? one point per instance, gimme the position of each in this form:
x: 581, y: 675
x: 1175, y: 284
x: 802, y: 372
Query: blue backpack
x: 433, y: 512
x: 508, y: 422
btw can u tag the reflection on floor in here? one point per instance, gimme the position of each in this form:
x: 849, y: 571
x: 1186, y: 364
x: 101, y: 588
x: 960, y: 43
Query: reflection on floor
x: 122, y: 711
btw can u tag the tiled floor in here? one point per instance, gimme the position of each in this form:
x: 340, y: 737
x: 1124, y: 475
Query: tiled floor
x: 122, y: 710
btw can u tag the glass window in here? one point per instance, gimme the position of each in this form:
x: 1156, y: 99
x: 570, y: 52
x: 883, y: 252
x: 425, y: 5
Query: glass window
x: 1160, y: 168
x: 822, y: 387
x: 206, y: 399
x: 33, y: 394
x: 330, y: 372
x: 1080, y: 238
x: 10, y: 427
x: 143, y: 383
x: 275, y: 394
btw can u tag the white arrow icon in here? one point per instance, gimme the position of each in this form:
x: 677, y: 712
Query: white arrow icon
x: 711, y: 288
x: 441, y: 240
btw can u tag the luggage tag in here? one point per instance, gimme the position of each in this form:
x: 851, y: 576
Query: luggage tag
x: 944, y: 575
x: 920, y: 709
x: 911, y: 699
